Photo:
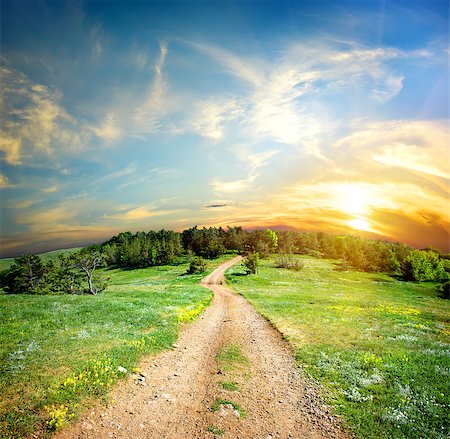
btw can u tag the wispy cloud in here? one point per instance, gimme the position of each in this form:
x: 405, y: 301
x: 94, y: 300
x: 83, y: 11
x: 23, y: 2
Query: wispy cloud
x: 148, y: 115
x: 278, y: 104
x: 4, y: 182
x: 211, y: 116
x: 418, y: 146
x: 109, y: 129
x: 253, y: 162
x: 140, y: 212
x: 22, y: 204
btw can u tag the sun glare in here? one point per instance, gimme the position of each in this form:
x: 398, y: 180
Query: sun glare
x: 353, y: 199
x: 359, y: 224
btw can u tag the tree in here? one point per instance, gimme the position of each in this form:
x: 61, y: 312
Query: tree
x: 70, y: 278
x: 272, y: 239
x: 251, y: 263
x: 424, y: 266
x: 87, y: 262
x: 26, y: 276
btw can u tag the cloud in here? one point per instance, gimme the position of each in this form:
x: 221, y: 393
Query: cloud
x: 124, y: 172
x: 249, y: 70
x: 109, y: 129
x: 140, y: 212
x: 233, y: 186
x: 4, y: 182
x: 212, y: 115
x: 417, y: 146
x: 52, y: 189
x: 33, y: 121
x: 22, y: 204
x: 280, y: 103
x: 148, y: 115
x: 214, y: 206
x: 96, y: 36
x: 254, y: 162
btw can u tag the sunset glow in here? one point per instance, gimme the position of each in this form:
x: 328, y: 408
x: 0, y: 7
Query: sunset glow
x: 319, y: 116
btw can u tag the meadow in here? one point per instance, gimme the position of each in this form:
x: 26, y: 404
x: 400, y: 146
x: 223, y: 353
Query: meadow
x: 377, y: 348
x: 60, y: 353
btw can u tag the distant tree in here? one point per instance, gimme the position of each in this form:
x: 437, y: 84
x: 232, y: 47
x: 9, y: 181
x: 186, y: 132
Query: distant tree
x: 234, y: 239
x: 251, y: 263
x: 272, y: 239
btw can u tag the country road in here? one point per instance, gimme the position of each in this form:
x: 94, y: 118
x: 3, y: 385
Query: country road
x: 174, y: 397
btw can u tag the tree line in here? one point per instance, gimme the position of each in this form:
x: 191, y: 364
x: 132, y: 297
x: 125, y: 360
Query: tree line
x: 73, y: 273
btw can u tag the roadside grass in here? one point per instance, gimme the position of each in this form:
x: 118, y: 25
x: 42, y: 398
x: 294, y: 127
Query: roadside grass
x: 379, y: 348
x: 59, y: 353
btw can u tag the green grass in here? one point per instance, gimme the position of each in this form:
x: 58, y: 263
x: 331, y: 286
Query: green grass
x: 220, y: 402
x: 215, y: 430
x: 230, y: 358
x: 5, y: 263
x: 379, y: 348
x: 58, y: 353
x: 231, y: 386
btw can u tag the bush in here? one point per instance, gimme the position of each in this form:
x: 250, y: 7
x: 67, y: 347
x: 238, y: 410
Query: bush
x: 197, y: 265
x: 251, y: 263
x: 289, y: 261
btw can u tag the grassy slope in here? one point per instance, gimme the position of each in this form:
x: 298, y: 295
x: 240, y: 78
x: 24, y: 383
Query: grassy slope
x: 378, y: 347
x: 56, y: 352
x: 5, y: 263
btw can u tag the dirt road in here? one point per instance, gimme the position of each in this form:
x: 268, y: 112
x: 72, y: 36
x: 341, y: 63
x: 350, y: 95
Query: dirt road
x: 267, y: 397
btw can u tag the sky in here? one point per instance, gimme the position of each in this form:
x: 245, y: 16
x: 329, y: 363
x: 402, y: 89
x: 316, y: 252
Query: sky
x: 319, y: 115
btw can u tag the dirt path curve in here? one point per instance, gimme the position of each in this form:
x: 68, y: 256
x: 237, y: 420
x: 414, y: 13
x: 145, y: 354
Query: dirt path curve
x: 182, y: 385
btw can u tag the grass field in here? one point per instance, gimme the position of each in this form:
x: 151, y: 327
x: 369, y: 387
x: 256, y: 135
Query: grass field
x: 378, y: 348
x: 59, y: 353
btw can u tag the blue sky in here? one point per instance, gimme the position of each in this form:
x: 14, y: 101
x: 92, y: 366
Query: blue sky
x: 137, y: 115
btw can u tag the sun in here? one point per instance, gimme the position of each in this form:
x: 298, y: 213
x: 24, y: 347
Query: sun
x: 353, y: 198
x: 359, y: 224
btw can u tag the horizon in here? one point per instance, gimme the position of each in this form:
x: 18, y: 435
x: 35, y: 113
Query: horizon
x: 310, y: 116
x: 44, y: 249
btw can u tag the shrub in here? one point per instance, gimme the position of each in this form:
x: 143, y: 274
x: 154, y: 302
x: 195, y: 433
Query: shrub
x: 197, y: 265
x: 289, y: 261
x: 251, y: 263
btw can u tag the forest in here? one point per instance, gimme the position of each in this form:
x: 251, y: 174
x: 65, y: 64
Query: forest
x: 73, y: 273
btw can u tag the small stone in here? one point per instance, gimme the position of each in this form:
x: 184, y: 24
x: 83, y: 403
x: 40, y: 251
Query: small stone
x: 142, y: 374
x: 281, y: 401
x: 122, y: 369
x: 175, y: 345
x: 87, y: 426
